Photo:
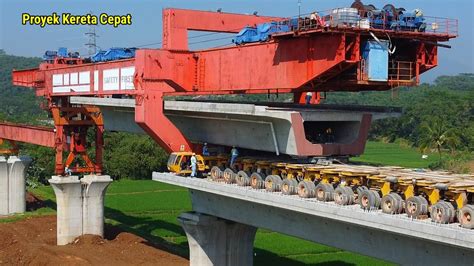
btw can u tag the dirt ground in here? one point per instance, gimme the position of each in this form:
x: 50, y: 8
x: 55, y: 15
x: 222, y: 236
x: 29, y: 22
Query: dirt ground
x: 33, y: 241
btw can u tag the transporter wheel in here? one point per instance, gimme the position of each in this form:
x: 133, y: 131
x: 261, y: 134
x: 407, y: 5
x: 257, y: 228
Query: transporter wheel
x: 369, y: 200
x: 273, y: 183
x: 442, y: 212
x: 288, y: 186
x: 343, y: 195
x: 324, y: 192
x: 359, y: 191
x: 392, y: 203
x: 256, y: 181
x: 306, y: 189
x: 242, y: 179
x: 216, y: 173
x: 229, y: 176
x: 416, y: 206
x: 466, y: 216
x: 378, y: 200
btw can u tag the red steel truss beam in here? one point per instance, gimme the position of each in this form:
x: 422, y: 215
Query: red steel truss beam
x: 42, y: 136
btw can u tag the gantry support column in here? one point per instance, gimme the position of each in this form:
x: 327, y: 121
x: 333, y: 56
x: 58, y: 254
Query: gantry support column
x: 80, y: 206
x: 214, y: 241
x: 13, y: 184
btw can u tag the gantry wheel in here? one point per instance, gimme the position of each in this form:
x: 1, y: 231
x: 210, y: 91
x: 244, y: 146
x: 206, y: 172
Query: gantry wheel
x: 466, y: 216
x: 344, y: 195
x: 256, y: 181
x: 324, y: 192
x: 242, y: 179
x: 216, y: 173
x: 369, y: 199
x: 306, y: 189
x: 229, y: 176
x: 288, y: 186
x: 442, y: 212
x: 273, y: 183
x: 416, y: 206
x: 392, y: 203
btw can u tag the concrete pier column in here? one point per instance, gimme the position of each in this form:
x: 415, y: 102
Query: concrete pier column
x: 93, y: 192
x: 17, y: 183
x: 214, y: 241
x: 3, y: 186
x: 68, y: 192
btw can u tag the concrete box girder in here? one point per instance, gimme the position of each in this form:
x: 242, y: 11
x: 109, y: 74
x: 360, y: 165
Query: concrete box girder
x: 280, y: 129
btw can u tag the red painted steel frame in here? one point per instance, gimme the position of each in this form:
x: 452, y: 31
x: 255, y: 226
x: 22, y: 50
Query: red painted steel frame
x: 177, y: 22
x: 41, y: 136
x: 291, y: 63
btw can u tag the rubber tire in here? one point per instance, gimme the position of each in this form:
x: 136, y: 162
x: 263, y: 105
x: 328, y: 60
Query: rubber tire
x: 392, y: 204
x: 273, y: 183
x: 416, y: 206
x: 288, y: 186
x: 306, y: 189
x: 369, y: 200
x: 242, y: 179
x: 215, y: 173
x: 229, y: 176
x: 324, y: 192
x: 378, y: 200
x: 442, y: 212
x: 343, y: 195
x: 358, y: 192
x: 466, y: 217
x: 256, y: 181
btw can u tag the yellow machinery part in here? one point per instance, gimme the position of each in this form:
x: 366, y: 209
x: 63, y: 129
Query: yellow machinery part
x: 386, y: 188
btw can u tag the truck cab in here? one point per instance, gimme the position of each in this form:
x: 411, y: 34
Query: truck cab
x: 180, y: 163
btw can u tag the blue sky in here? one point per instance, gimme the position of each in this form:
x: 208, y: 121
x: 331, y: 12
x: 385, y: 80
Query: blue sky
x: 33, y: 41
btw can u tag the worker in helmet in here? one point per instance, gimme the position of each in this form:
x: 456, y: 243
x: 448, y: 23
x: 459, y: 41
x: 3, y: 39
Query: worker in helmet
x: 193, y: 165
x: 309, y: 96
x: 67, y: 171
x: 205, y: 150
x: 233, y: 156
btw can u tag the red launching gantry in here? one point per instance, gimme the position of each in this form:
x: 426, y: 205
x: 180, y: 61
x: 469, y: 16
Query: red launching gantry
x: 331, y: 53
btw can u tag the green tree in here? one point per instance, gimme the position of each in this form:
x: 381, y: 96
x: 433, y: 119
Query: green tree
x: 437, y: 135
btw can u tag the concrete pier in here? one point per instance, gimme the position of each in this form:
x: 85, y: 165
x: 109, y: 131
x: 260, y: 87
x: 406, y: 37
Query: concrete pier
x: 80, y: 206
x: 214, y: 241
x: 17, y: 183
x: 13, y: 184
x: 94, y: 187
x: 3, y: 186
x: 68, y: 192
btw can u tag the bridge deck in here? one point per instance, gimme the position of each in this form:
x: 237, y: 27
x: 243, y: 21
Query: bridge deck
x: 391, y: 237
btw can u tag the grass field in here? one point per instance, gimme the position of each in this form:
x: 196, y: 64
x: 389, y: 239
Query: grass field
x: 394, y: 154
x: 149, y: 209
